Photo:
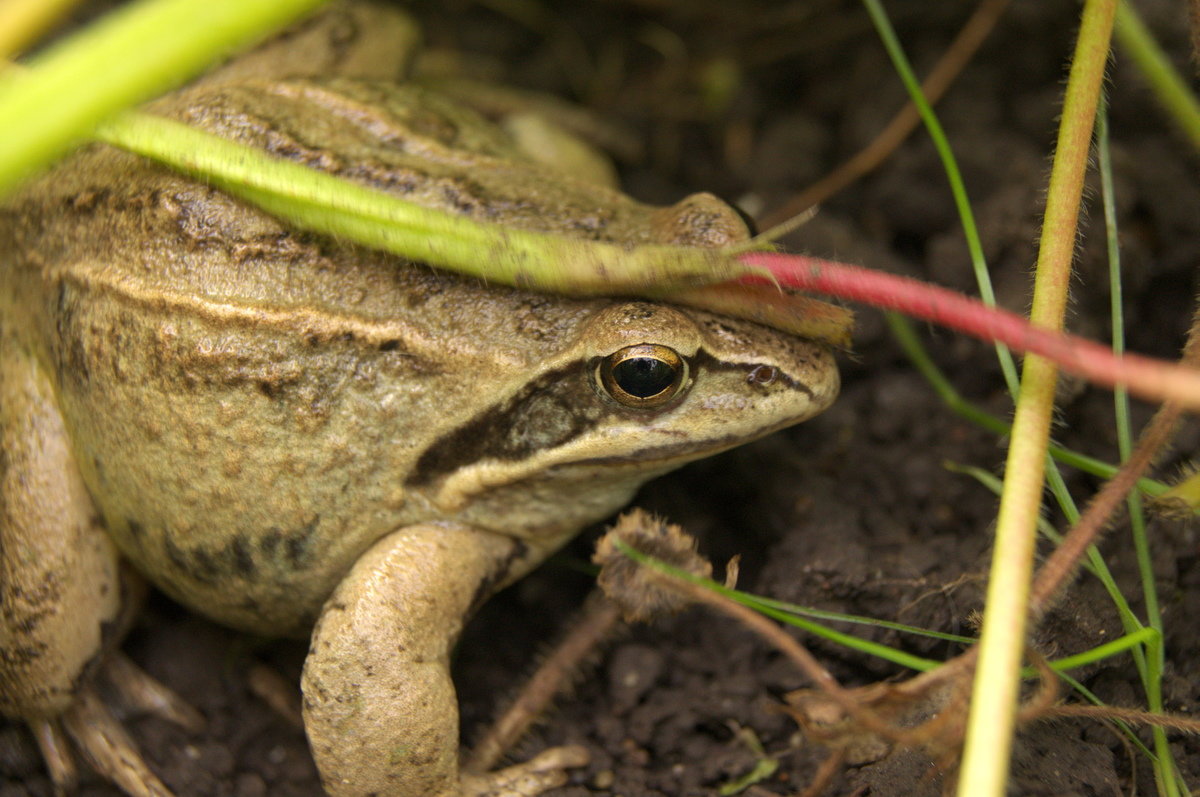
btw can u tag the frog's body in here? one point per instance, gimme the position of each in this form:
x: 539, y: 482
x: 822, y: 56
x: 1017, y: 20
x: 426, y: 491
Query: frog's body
x: 262, y: 419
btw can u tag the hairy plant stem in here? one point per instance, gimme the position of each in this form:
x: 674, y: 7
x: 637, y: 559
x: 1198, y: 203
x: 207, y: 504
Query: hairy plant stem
x: 1149, y: 378
x: 992, y: 718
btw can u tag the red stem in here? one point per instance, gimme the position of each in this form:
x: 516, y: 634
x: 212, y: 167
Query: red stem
x: 1152, y: 379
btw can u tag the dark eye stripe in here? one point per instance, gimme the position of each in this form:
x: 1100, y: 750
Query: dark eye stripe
x: 548, y: 412
x: 554, y: 409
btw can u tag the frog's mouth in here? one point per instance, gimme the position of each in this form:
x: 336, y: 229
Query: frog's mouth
x: 676, y: 454
x: 571, y: 462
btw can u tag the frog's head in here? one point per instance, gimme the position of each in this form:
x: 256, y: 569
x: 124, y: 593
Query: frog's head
x: 641, y: 388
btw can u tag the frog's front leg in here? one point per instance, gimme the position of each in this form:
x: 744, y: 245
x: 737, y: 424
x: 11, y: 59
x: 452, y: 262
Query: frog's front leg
x: 379, y: 705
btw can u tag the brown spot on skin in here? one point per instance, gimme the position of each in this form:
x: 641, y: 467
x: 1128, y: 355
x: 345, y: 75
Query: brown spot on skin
x: 174, y: 553
x: 243, y: 561
x: 71, y: 358
x: 638, y: 311
x: 274, y: 245
x: 48, y: 593
x: 31, y: 622
x: 293, y: 546
x: 87, y: 200
x: 208, y: 564
x: 295, y: 549
x: 22, y: 655
x: 204, y: 565
x: 199, y: 564
x: 137, y: 532
x: 299, y: 542
x: 270, y: 541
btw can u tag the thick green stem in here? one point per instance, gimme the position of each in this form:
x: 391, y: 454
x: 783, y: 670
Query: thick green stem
x: 992, y: 718
x: 130, y: 56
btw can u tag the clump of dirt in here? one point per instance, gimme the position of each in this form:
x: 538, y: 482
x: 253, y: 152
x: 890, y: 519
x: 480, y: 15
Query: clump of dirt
x: 854, y: 511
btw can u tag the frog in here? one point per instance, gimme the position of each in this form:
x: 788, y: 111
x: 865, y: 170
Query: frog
x: 297, y: 436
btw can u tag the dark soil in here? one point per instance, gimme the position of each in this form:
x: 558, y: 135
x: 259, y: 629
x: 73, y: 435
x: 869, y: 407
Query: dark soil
x: 854, y: 511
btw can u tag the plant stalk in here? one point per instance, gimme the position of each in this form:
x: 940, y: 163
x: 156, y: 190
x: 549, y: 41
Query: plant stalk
x: 992, y: 718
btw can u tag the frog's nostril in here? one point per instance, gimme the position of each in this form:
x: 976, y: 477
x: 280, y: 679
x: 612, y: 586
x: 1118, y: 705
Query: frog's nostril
x: 762, y: 375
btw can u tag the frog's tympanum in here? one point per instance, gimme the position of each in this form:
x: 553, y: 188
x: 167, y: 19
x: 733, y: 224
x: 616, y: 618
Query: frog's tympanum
x: 297, y: 436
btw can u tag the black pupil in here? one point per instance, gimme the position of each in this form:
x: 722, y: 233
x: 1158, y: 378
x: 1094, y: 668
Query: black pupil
x: 643, y: 376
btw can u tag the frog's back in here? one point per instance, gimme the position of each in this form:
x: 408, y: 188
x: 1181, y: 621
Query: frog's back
x: 119, y: 226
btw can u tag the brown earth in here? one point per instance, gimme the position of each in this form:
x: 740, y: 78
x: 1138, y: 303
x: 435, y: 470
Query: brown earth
x: 852, y: 512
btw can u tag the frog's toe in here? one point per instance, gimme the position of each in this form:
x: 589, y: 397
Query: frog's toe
x: 547, y: 770
x: 106, y: 746
x: 140, y: 691
x: 280, y: 695
x: 101, y: 739
x: 96, y: 734
x: 56, y: 754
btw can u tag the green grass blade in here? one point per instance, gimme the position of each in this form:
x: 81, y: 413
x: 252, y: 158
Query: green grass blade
x: 1150, y: 666
x: 904, y: 333
x: 958, y: 189
x: 796, y: 616
x: 1144, y: 636
x: 131, y: 55
x: 757, y: 601
x: 1170, y: 88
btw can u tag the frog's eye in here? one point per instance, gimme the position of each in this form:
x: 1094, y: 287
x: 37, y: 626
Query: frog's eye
x: 642, y: 376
